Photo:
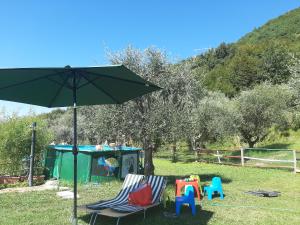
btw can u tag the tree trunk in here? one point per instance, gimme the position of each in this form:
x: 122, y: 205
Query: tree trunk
x: 192, y: 142
x: 251, y: 144
x: 148, y: 160
x: 174, y: 150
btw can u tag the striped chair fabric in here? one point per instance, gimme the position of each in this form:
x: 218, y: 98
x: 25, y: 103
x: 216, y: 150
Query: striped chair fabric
x: 157, y: 183
x: 131, y: 182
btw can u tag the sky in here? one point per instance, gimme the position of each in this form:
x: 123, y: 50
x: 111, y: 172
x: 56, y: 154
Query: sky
x: 57, y: 33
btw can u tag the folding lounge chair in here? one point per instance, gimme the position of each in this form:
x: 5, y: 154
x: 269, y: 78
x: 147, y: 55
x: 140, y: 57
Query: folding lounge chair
x: 131, y: 182
x: 158, y: 185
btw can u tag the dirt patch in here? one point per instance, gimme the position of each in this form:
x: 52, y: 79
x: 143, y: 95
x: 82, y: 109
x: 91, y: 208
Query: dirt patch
x: 49, y: 185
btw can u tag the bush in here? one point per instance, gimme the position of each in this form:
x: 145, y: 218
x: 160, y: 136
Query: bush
x: 15, y: 143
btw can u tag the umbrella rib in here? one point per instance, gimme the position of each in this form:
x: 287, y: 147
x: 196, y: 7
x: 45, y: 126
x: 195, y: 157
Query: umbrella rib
x: 78, y: 81
x: 28, y: 81
x: 56, y: 82
x: 58, y: 91
x: 95, y: 85
x: 91, y: 80
x: 118, y: 78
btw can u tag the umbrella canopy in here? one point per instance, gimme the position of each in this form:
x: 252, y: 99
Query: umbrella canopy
x: 59, y: 87
x: 54, y: 87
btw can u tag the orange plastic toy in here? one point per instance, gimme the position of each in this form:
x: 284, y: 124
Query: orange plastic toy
x: 181, y: 183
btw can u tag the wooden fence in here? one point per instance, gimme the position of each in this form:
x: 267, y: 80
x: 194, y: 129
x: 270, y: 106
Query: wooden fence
x: 240, y: 157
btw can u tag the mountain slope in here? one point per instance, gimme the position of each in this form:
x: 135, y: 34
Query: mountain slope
x: 285, y: 28
x: 261, y: 55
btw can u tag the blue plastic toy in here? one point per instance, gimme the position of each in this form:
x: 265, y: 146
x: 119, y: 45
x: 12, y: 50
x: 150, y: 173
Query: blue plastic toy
x: 216, y: 186
x: 187, y: 198
x: 187, y: 189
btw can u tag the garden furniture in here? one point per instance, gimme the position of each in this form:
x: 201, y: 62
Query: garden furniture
x: 216, y: 186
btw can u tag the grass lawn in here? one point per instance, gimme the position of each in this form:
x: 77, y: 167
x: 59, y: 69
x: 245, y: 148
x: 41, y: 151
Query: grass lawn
x: 289, y: 141
x: 236, y: 208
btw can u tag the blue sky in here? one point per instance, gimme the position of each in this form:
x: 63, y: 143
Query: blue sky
x: 78, y: 33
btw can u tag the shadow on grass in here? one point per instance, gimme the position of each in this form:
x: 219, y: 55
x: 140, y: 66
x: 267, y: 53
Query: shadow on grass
x: 276, y: 146
x: 180, y: 158
x: 158, y: 215
x: 191, y: 158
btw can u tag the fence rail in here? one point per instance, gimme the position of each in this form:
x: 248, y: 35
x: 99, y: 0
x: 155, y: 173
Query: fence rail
x: 241, y: 158
x: 269, y: 160
x: 293, y: 160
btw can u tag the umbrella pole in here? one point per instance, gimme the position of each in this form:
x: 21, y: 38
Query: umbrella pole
x: 75, y: 150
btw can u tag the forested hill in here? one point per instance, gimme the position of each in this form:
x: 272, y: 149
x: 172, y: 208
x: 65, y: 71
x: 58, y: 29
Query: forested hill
x: 259, y: 56
x: 285, y: 28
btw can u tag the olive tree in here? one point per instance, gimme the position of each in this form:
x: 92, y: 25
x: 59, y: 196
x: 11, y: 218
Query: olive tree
x: 160, y: 114
x: 181, y: 93
x: 294, y: 84
x: 294, y: 81
x: 213, y: 119
x: 261, y: 108
x: 107, y: 123
x: 152, y: 65
x: 60, y: 124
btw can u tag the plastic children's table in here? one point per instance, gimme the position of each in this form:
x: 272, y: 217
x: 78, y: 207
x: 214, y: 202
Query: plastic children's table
x: 181, y: 183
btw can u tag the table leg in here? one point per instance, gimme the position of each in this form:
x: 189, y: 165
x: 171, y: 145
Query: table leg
x: 178, y: 189
x: 197, y: 190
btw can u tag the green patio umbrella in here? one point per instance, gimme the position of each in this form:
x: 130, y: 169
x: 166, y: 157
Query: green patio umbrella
x: 60, y: 87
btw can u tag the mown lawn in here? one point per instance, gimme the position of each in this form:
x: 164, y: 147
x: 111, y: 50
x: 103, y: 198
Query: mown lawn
x: 236, y: 208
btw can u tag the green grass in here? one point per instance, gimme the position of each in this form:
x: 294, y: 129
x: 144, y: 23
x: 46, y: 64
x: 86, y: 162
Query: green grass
x: 237, y: 207
x: 290, y: 140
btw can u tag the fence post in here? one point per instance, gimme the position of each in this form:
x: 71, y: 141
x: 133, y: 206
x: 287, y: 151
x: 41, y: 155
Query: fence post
x: 295, y: 161
x: 242, y: 157
x: 196, y: 155
x: 219, y: 160
x: 31, y: 167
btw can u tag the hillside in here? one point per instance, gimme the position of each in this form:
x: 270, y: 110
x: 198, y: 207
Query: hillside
x: 261, y: 55
x: 285, y: 28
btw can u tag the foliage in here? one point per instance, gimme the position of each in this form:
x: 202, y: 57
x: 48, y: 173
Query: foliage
x: 180, y: 96
x: 261, y: 108
x: 113, y: 123
x: 294, y: 84
x: 160, y: 114
x: 219, y: 79
x: 213, y: 57
x: 244, y: 68
x: 294, y: 81
x: 285, y: 28
x: 248, y: 66
x: 206, y: 67
x: 275, y: 62
x: 15, y: 142
x: 213, y: 119
x: 59, y: 122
